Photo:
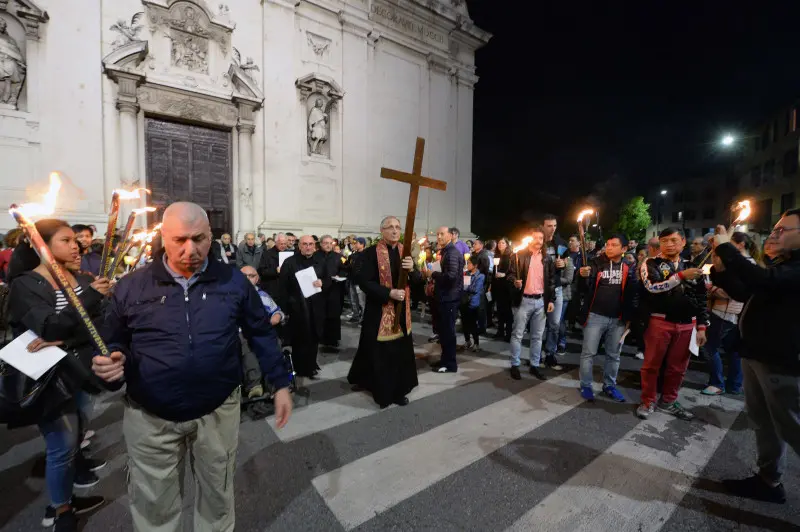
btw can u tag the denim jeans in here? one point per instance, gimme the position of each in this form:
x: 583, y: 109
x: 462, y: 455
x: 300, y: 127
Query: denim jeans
x: 553, y: 322
x: 562, y: 325
x: 597, y: 326
x: 61, y: 437
x: 355, y: 300
x: 530, y: 311
x: 725, y: 334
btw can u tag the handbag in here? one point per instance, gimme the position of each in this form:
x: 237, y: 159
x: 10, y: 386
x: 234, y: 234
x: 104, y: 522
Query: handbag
x: 24, y: 401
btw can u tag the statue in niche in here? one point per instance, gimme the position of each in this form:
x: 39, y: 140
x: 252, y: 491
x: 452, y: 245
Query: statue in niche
x: 317, y: 127
x: 12, y: 67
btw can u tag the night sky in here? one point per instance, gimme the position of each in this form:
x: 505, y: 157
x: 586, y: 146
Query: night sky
x: 580, y: 100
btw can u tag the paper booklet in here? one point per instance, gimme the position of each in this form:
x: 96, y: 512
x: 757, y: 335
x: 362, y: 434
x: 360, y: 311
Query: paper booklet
x: 436, y: 267
x: 282, y: 256
x: 306, y: 278
x: 34, y: 365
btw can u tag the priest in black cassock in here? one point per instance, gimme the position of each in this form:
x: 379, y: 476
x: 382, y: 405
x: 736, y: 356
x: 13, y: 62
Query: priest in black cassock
x: 306, y: 315
x: 334, y: 264
x: 385, y: 363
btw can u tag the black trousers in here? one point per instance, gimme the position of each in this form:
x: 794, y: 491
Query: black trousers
x: 470, y: 322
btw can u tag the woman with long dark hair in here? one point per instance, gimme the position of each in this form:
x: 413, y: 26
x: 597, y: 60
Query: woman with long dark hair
x: 723, y: 330
x: 501, y: 290
x: 37, y: 304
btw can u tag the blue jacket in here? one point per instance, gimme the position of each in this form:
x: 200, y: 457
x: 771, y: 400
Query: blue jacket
x: 183, y: 349
x: 475, y: 289
x: 450, y: 281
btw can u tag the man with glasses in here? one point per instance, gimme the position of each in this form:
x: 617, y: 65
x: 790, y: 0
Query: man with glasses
x: 770, y: 349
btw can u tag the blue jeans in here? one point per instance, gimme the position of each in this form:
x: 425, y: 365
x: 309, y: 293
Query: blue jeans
x: 596, y: 326
x: 724, y: 334
x: 553, y: 322
x: 448, y: 311
x: 61, y: 437
x: 562, y: 325
x: 530, y: 311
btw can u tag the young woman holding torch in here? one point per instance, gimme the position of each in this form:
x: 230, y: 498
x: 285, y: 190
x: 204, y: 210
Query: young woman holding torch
x: 37, y: 303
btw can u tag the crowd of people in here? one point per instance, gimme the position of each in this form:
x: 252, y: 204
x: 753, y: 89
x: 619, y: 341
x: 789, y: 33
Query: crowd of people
x: 207, y: 324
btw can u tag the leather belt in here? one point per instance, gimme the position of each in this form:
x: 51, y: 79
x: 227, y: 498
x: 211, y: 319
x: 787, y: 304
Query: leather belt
x: 532, y: 296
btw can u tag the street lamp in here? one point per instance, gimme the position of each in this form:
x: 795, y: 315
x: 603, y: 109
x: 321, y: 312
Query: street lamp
x: 658, y: 215
x: 728, y: 140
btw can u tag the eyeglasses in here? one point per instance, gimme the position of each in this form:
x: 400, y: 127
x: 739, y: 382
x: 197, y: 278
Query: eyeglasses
x: 252, y: 275
x: 778, y: 231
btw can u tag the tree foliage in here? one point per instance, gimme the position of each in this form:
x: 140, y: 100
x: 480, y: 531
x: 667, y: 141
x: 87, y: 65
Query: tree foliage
x: 634, y: 219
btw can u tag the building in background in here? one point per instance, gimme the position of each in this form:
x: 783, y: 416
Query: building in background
x: 768, y: 167
x: 695, y: 205
x: 274, y: 115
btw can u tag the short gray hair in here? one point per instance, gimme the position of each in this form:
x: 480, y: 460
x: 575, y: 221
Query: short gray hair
x: 386, y: 219
x: 279, y: 236
x: 323, y: 237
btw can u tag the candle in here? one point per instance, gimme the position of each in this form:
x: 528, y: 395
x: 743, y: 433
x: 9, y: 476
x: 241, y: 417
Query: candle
x: 21, y: 215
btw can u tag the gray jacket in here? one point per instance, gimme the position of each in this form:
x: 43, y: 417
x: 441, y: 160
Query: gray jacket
x: 245, y: 258
x: 567, y: 273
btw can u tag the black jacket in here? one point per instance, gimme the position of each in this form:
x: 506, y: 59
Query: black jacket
x: 557, y: 242
x: 31, y: 306
x: 524, y: 264
x: 483, y: 262
x: 671, y: 297
x: 769, y: 321
x: 630, y: 288
x: 268, y: 271
x: 450, y: 281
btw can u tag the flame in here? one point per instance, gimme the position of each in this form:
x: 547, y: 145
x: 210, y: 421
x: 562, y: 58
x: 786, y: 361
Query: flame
x: 525, y: 241
x: 48, y: 205
x: 583, y: 213
x: 141, y: 236
x: 130, y: 194
x: 421, y: 240
x: 744, y: 211
x: 143, y: 210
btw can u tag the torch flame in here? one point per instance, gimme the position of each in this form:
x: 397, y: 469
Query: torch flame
x: 144, y: 210
x: 525, y: 241
x: 744, y: 211
x: 48, y: 205
x: 421, y: 240
x: 587, y: 212
x: 130, y: 194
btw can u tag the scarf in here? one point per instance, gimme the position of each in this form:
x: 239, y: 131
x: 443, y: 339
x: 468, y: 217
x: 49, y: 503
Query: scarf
x: 387, y: 330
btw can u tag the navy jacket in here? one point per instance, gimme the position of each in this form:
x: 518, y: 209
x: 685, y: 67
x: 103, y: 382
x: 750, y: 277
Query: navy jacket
x: 450, y: 281
x: 183, y: 349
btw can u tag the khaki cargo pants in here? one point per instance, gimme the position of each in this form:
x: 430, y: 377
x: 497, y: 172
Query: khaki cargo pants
x: 157, y: 453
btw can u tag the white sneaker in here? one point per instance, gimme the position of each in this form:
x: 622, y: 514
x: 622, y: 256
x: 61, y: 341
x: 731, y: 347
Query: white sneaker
x: 640, y: 355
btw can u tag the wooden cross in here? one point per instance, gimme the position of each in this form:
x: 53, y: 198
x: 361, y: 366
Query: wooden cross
x: 416, y: 180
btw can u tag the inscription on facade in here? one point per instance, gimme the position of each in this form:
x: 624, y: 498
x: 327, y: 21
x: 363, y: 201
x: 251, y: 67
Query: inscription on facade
x: 392, y: 18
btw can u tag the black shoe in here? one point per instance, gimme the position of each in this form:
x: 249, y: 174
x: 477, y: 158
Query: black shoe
x: 538, y: 374
x: 403, y: 401
x: 89, y: 464
x: 80, y: 505
x: 84, y: 479
x: 498, y: 336
x: 562, y: 350
x: 66, y: 522
x: 551, y: 362
x: 507, y: 339
x: 755, y: 488
x: 436, y: 365
x: 385, y: 405
x: 515, y: 373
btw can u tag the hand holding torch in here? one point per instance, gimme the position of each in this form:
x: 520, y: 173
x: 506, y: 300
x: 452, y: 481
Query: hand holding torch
x: 583, y: 213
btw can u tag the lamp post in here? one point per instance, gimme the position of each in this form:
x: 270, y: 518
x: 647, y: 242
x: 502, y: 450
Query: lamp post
x: 658, y: 213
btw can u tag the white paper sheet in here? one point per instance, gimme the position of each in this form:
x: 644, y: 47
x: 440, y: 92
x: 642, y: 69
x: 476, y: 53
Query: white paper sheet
x: 34, y: 365
x: 306, y: 278
x: 489, y: 297
x: 436, y: 267
x: 282, y: 256
x: 693, y: 347
x: 499, y: 275
x: 338, y: 278
x: 467, y: 280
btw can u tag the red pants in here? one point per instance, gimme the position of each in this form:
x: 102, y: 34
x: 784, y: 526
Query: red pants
x: 665, y: 340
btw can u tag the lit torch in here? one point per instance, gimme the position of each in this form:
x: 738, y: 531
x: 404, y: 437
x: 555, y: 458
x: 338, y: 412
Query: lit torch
x: 744, y: 210
x: 525, y: 241
x: 22, y: 214
x: 147, y: 246
x: 125, y: 242
x: 587, y: 212
x: 113, y: 215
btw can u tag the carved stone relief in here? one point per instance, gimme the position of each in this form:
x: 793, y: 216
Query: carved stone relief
x: 188, y: 18
x: 248, y: 67
x: 189, y: 51
x: 319, y: 45
x: 13, y: 66
x: 187, y: 107
x: 128, y: 31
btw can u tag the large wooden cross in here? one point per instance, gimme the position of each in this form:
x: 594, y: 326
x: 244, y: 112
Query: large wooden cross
x: 416, y: 180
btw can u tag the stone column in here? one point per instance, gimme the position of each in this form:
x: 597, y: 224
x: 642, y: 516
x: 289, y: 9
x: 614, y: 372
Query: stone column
x: 246, y: 128
x: 128, y: 106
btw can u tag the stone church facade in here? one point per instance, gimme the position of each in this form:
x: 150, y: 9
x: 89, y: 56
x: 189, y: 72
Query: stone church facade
x: 275, y: 115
